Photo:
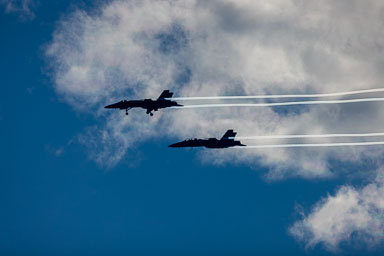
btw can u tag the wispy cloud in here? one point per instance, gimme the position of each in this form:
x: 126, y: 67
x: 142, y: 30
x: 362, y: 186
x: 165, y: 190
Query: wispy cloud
x: 23, y: 8
x: 351, y: 215
x: 135, y: 49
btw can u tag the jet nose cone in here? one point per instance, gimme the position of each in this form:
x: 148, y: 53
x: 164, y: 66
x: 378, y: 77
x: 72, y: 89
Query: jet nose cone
x: 177, y: 145
x: 111, y: 106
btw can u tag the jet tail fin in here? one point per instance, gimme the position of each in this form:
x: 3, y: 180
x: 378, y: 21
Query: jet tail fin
x: 229, y: 135
x: 165, y: 94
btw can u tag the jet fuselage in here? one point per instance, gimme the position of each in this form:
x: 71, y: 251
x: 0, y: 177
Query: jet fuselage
x: 208, y: 143
x: 146, y: 104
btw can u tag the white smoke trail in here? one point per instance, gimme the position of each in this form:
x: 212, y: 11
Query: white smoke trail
x: 319, y: 95
x: 306, y: 145
x: 276, y: 104
x: 309, y: 136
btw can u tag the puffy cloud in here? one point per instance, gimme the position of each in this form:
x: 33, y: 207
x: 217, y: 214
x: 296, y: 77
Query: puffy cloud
x: 135, y: 49
x: 24, y: 8
x: 352, y: 214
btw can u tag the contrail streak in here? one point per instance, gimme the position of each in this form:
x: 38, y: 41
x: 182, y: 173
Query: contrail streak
x: 318, y: 95
x: 310, y: 136
x: 276, y: 104
x: 341, y: 144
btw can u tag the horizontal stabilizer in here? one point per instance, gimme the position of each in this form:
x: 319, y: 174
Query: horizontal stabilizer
x: 165, y: 94
x: 230, y: 134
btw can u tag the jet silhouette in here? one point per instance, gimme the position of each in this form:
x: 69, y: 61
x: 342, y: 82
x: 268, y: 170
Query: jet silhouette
x: 228, y: 140
x: 148, y: 104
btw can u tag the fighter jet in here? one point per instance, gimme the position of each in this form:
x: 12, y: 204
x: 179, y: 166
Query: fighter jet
x: 228, y: 140
x: 148, y: 104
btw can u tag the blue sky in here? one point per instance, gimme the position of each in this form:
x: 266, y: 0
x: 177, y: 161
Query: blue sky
x: 57, y: 199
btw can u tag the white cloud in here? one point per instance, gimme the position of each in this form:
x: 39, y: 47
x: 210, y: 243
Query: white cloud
x: 135, y: 49
x: 350, y: 215
x: 24, y: 8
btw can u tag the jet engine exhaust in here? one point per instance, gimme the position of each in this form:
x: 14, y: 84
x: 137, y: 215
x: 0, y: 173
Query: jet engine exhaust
x: 277, y: 104
x: 298, y: 136
x: 281, y: 96
x: 308, y: 145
